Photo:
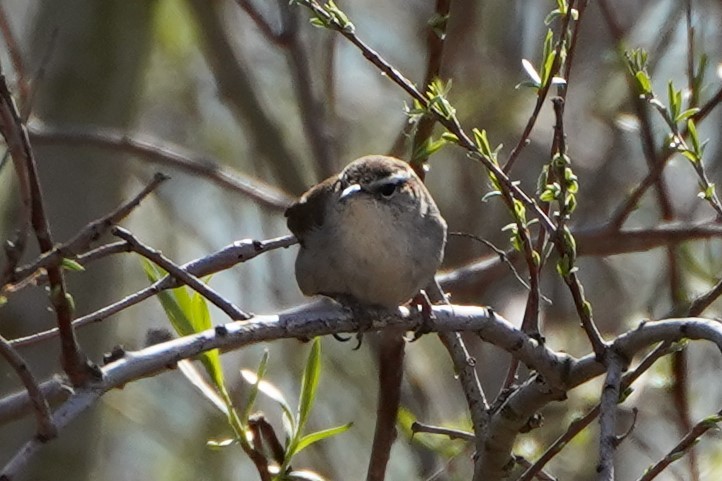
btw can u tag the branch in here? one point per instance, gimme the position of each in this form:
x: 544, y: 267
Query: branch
x: 73, y: 360
x: 167, y: 154
x: 88, y: 234
x: 687, y: 442
x: 236, y: 253
x: 181, y: 275
x: 608, y: 416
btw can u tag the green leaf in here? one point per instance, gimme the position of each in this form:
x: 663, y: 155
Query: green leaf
x: 272, y: 392
x: 309, y: 383
x: 449, y: 137
x: 694, y: 137
x: 309, y: 439
x: 71, y: 265
x: 711, y: 421
x: 685, y: 115
x: 674, y: 105
x: 253, y: 393
x: 481, y: 141
x: 547, y: 68
x: 643, y: 82
x: 188, y: 314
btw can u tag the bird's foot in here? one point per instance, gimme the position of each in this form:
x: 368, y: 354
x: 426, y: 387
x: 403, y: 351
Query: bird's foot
x: 421, y: 300
x: 362, y: 313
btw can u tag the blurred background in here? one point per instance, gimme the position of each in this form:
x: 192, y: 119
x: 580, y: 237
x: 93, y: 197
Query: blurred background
x: 290, y: 105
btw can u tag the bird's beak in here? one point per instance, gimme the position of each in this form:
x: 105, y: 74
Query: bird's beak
x: 349, y: 191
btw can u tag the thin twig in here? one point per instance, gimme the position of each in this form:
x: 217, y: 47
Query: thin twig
x: 543, y: 90
x: 417, y: 427
x: 683, y: 446
x: 88, y: 234
x: 227, y: 257
x: 16, y: 57
x: 576, y: 426
x: 181, y: 274
x: 74, y: 361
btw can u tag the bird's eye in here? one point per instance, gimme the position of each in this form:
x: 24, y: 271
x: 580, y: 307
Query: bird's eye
x: 388, y: 189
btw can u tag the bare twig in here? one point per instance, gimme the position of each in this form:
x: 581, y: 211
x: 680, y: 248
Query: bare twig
x: 16, y: 57
x: 46, y: 429
x: 88, y: 234
x: 544, y: 89
x: 20, y: 404
x: 465, y: 367
x: 78, y: 402
x: 418, y: 427
x: 578, y: 425
x: 164, y: 153
x: 327, y: 320
x: 435, y: 37
x: 239, y: 251
x: 16, y: 136
x: 181, y: 274
x: 683, y: 446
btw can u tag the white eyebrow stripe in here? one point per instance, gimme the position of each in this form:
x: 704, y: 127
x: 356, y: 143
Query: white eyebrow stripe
x: 397, y: 178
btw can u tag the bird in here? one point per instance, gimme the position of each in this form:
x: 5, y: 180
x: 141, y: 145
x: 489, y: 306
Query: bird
x: 371, y: 235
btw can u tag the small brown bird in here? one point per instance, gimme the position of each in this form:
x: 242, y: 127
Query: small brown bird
x: 371, y: 235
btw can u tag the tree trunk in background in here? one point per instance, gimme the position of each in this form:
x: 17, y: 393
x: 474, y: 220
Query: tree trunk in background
x: 93, y: 77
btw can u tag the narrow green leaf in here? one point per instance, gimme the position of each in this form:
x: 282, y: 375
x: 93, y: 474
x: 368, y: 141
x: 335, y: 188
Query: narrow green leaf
x: 686, y: 114
x: 449, y: 137
x: 272, y: 392
x: 71, y: 265
x: 188, y: 314
x: 309, y: 439
x: 694, y: 137
x: 253, y: 393
x: 309, y: 383
x: 674, y: 107
x: 547, y: 68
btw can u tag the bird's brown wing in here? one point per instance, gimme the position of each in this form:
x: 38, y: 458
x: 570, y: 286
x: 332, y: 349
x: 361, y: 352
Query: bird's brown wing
x: 309, y: 211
